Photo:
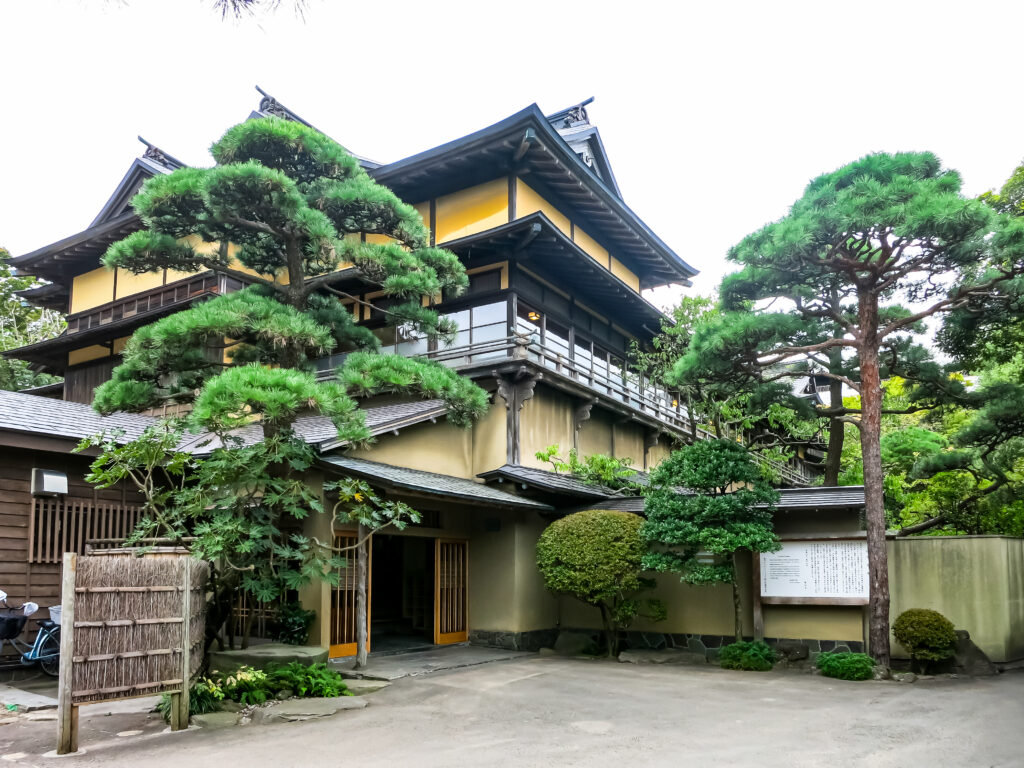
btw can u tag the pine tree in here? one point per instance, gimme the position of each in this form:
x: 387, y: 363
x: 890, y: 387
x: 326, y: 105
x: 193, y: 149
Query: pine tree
x: 882, y: 230
x: 725, y: 509
x: 293, y: 215
x: 285, y: 210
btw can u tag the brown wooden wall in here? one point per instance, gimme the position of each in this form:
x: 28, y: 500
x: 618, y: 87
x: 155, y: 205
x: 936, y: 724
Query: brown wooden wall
x: 22, y: 580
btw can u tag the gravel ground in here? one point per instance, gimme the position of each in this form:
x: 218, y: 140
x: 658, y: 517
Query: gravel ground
x: 544, y: 711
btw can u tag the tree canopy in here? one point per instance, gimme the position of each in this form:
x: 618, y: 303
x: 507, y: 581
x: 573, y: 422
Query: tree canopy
x: 22, y: 324
x: 595, y: 556
x: 861, y: 259
x: 706, y: 503
x: 286, y: 211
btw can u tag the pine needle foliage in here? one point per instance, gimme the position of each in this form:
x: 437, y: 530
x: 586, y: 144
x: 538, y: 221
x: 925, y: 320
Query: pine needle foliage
x: 285, y: 209
x: 843, y: 284
x: 707, y: 503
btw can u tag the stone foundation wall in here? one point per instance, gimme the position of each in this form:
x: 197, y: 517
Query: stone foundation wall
x: 533, y: 640
x: 791, y: 649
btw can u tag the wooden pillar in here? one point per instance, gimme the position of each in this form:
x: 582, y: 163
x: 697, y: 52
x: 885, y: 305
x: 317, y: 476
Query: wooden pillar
x: 67, y: 711
x: 755, y: 595
x: 180, y: 701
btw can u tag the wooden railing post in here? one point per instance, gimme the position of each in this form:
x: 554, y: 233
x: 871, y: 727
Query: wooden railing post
x: 67, y: 710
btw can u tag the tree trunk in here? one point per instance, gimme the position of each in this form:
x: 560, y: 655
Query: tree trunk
x: 362, y: 582
x: 610, y: 638
x: 870, y: 438
x: 737, y: 604
x: 836, y: 433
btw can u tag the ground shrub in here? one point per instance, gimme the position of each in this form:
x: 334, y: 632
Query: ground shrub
x: 247, y: 686
x: 205, y: 696
x: 927, y: 635
x: 292, y: 623
x: 313, y: 681
x: 846, y: 666
x: 755, y: 656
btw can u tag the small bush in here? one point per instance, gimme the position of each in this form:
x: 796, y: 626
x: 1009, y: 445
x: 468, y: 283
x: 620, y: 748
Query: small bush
x: 291, y: 626
x: 927, y: 635
x: 247, y: 686
x: 205, y: 696
x: 755, y: 656
x: 846, y: 666
x: 314, y: 681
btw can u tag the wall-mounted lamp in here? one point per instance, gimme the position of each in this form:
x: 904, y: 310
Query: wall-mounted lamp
x: 534, y: 316
x: 675, y: 403
x: 48, y: 482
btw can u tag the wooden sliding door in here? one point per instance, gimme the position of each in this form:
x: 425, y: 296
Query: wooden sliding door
x: 343, y: 601
x: 451, y: 591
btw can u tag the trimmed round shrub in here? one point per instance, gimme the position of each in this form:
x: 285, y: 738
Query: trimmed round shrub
x: 926, y: 634
x: 292, y: 623
x: 755, y: 656
x: 846, y: 666
x: 593, y: 555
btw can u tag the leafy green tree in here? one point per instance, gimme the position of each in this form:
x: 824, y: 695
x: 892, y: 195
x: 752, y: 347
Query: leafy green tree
x: 882, y: 230
x: 595, y: 469
x: 21, y: 324
x: 595, y: 556
x: 290, y: 213
x: 706, y: 504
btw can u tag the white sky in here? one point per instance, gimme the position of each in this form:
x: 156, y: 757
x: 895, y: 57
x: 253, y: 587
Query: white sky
x: 715, y: 115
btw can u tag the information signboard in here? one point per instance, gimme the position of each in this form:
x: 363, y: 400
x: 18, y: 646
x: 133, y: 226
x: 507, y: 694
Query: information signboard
x: 833, y: 572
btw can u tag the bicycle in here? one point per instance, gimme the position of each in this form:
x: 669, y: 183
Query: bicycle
x: 45, y: 651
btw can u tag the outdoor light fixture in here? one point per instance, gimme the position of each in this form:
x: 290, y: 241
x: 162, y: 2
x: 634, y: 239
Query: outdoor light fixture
x: 675, y: 403
x: 534, y: 316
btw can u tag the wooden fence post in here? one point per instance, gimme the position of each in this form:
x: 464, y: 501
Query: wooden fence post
x: 180, y: 702
x: 67, y: 710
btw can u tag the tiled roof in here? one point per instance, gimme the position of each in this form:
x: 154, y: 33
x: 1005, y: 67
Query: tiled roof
x: 840, y: 497
x: 63, y: 419
x: 419, y: 481
x: 545, y: 480
x: 320, y: 430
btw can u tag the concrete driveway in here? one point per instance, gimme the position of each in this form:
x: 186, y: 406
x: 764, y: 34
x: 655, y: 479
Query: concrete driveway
x: 543, y: 711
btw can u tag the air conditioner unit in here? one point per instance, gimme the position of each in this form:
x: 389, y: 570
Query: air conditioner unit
x: 48, y: 482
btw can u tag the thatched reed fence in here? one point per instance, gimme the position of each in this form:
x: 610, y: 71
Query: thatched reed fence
x: 132, y: 626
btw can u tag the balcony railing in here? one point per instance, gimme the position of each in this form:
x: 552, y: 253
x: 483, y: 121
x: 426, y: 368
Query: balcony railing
x: 636, y: 392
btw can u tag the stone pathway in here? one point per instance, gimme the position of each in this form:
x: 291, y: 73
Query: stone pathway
x: 425, y: 662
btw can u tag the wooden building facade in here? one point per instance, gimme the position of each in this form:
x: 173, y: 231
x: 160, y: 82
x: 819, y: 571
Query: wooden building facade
x: 557, y: 264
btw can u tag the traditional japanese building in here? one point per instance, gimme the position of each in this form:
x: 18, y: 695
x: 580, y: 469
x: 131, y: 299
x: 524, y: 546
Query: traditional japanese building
x: 557, y: 264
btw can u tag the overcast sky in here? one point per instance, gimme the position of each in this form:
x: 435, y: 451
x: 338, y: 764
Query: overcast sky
x: 715, y: 115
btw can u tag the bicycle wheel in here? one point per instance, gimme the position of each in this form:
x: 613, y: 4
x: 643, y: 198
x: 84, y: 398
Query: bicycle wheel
x: 49, y: 655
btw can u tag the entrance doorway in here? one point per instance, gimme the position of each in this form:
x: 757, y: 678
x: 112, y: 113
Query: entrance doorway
x: 402, y: 574
x: 418, y: 594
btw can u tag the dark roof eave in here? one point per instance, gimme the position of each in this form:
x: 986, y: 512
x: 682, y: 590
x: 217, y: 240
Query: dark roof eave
x: 532, y: 117
x: 526, y: 222
x: 25, y: 262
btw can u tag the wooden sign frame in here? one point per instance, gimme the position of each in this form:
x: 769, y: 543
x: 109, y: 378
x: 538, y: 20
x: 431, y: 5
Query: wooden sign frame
x: 760, y: 600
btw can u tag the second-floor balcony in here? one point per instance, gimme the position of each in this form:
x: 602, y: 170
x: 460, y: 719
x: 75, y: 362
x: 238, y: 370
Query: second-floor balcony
x: 487, y: 341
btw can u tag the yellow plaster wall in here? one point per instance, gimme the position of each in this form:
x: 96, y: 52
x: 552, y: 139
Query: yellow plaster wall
x: 492, y: 566
x: 85, y: 354
x: 977, y: 582
x: 814, y: 622
x: 472, y: 210
x: 546, y: 419
x: 629, y: 443
x: 658, y: 453
x: 489, y: 439
x: 92, y: 289
x: 439, y: 447
x: 590, y: 245
x: 536, y: 608
x: 528, y: 201
x: 624, y: 274
x: 128, y: 284
x: 119, y: 344
x: 596, y: 433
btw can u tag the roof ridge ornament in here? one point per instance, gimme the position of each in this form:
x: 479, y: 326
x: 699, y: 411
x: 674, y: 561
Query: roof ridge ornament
x: 154, y: 153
